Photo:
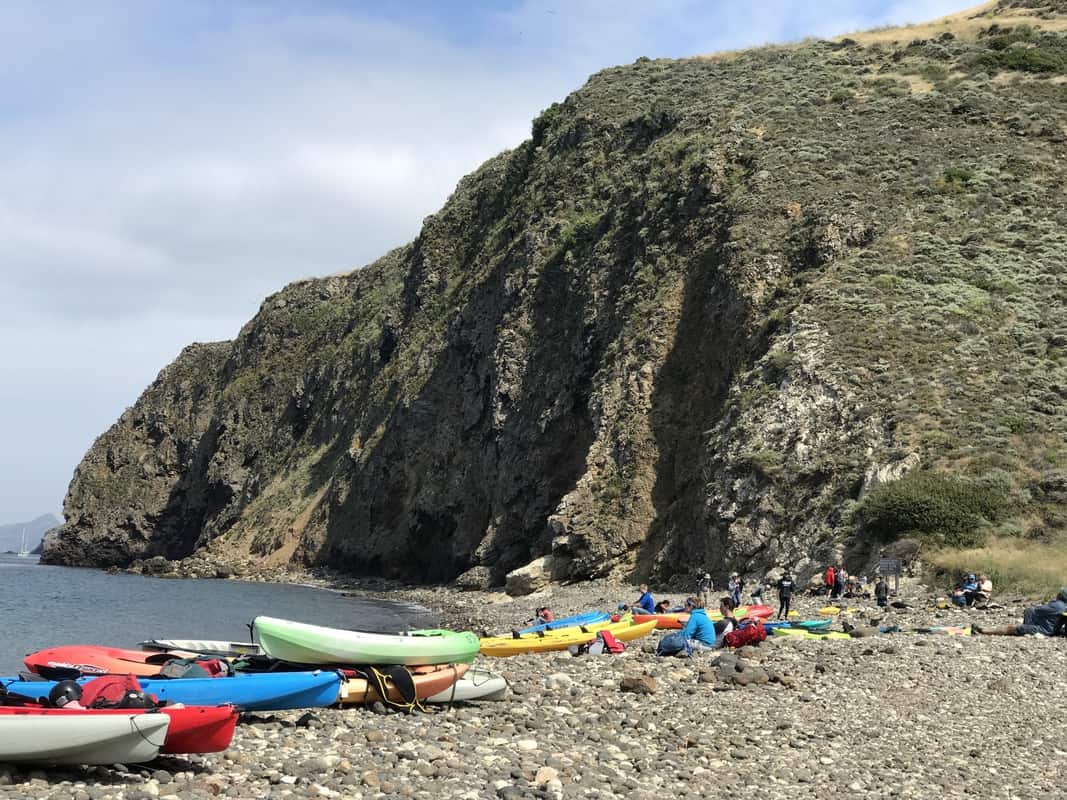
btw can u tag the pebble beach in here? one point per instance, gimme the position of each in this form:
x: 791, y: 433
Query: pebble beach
x: 892, y: 715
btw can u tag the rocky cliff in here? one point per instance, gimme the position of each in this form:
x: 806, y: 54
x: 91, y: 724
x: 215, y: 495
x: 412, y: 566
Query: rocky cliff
x: 689, y: 322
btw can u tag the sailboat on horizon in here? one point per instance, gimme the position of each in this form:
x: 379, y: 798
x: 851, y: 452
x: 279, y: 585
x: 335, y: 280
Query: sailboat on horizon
x: 23, y: 550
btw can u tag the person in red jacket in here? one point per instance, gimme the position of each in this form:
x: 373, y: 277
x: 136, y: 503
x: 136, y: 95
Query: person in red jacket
x: 828, y: 580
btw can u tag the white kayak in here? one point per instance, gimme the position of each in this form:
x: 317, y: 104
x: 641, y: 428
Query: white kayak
x: 207, y: 647
x: 476, y: 684
x: 27, y: 737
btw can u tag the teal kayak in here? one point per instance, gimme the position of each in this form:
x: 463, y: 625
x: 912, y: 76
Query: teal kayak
x: 804, y: 624
x: 301, y: 643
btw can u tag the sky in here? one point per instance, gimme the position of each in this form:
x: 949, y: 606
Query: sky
x: 165, y: 166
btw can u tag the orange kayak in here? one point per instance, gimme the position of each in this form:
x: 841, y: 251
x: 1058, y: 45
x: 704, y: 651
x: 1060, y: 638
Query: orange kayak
x: 91, y: 659
x: 429, y: 680
x: 679, y: 619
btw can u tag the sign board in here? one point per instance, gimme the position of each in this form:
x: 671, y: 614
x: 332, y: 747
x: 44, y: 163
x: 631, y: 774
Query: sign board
x: 889, y: 566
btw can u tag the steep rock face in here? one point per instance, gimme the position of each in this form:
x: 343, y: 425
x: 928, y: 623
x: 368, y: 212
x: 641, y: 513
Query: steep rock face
x: 674, y: 329
x: 131, y: 496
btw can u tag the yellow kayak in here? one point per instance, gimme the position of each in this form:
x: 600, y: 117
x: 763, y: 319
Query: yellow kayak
x: 570, y: 630
x: 562, y: 639
x: 800, y: 633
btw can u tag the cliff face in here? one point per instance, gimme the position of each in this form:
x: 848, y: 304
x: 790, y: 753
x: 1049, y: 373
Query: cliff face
x: 680, y: 326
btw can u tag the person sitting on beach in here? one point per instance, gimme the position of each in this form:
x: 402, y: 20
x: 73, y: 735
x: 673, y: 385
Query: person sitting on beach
x: 645, y: 604
x: 663, y: 606
x: 1042, y: 620
x: 963, y: 595
x: 728, y: 622
x: 542, y: 615
x: 699, y: 633
x: 984, y: 593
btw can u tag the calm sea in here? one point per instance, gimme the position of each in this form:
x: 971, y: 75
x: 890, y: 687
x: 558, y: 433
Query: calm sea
x: 43, y: 606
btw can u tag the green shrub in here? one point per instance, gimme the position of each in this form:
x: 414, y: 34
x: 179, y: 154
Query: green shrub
x: 933, y: 506
x: 779, y: 360
x: 579, y: 229
x: 767, y: 462
x: 954, y: 180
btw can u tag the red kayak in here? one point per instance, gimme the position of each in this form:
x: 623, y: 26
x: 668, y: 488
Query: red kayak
x: 193, y: 729
x: 89, y: 659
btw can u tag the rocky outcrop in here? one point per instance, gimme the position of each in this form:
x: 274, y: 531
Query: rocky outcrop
x: 676, y: 329
x: 531, y: 578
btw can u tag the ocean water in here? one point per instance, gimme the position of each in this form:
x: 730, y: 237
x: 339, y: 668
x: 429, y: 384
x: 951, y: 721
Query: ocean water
x: 44, y: 606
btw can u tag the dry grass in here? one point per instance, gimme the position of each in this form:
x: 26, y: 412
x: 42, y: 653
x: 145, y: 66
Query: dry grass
x: 964, y: 24
x: 1035, y: 569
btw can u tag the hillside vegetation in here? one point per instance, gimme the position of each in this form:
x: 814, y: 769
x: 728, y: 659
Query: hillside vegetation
x: 708, y: 314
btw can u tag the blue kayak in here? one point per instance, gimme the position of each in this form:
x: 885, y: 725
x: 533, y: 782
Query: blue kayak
x: 586, y: 618
x: 268, y: 691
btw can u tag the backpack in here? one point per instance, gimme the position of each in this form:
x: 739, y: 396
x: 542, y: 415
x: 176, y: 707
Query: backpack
x: 115, y: 691
x: 747, y: 634
x: 198, y: 667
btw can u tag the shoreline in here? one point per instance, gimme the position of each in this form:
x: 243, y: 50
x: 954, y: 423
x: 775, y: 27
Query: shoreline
x: 873, y: 717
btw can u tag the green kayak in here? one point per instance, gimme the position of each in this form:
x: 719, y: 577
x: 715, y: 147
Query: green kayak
x: 301, y: 643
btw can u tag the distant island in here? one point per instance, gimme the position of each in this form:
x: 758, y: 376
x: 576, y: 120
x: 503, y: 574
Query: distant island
x: 11, y: 533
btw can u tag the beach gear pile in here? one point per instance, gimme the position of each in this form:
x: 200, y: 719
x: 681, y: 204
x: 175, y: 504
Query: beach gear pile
x: 90, y: 704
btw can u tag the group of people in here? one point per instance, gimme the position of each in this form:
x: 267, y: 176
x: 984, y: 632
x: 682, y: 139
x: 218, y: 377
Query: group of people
x: 974, y: 590
x: 700, y: 632
x: 838, y: 583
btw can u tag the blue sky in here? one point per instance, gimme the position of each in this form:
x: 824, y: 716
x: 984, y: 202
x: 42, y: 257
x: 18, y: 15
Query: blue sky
x: 164, y: 166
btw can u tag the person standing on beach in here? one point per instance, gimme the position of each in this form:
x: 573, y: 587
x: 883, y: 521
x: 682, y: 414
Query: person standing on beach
x: 828, y: 581
x: 736, y: 587
x: 881, y: 592
x: 786, y: 586
x: 840, y: 576
x: 704, y: 589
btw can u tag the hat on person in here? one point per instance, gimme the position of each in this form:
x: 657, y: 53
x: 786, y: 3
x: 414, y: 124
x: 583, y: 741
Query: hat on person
x: 622, y: 606
x: 1063, y: 594
x: 707, y: 576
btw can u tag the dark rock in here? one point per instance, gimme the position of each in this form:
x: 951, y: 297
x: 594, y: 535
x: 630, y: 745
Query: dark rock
x: 638, y: 684
x: 475, y: 579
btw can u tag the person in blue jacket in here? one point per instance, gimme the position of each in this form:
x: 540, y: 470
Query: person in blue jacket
x: 1045, y: 619
x: 698, y: 634
x: 645, y: 602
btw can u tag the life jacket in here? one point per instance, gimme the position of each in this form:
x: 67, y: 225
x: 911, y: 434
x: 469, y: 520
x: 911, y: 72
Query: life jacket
x: 747, y: 634
x: 115, y: 691
x: 611, y: 644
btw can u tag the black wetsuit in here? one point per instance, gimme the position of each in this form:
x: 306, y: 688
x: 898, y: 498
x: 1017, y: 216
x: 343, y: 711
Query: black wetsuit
x: 785, y: 596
